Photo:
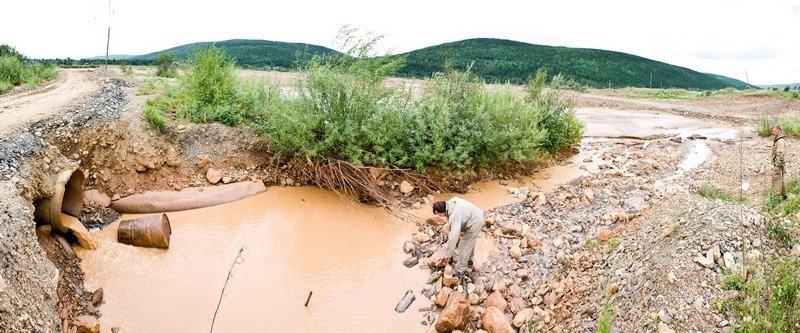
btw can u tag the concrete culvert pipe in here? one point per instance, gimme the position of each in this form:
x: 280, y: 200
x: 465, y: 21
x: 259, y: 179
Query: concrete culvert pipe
x: 67, y: 199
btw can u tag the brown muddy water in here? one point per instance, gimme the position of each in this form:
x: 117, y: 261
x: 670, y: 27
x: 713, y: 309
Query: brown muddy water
x: 294, y: 240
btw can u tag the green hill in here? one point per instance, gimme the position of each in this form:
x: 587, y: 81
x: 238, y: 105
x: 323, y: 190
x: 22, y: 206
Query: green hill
x: 498, y: 60
x: 251, y: 53
x: 733, y: 82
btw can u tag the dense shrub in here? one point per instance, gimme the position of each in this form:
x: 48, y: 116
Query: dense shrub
x: 166, y: 65
x: 342, y: 109
x: 14, y: 70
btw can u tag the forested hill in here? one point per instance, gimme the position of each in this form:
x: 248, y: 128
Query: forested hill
x: 499, y: 60
x: 252, y: 53
x: 496, y: 60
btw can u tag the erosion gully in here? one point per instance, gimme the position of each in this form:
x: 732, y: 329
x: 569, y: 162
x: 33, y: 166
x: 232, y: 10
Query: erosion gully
x: 283, y: 244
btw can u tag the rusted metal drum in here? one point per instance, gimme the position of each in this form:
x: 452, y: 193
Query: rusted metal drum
x: 148, y: 231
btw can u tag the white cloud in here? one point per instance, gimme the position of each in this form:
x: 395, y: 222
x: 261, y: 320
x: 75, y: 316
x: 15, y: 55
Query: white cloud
x: 719, y: 36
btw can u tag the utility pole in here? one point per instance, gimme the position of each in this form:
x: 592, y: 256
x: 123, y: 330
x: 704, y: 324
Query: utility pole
x: 747, y: 77
x: 108, y: 36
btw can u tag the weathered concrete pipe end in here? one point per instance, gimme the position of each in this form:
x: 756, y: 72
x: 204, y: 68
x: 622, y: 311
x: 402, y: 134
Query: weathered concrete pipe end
x: 67, y: 198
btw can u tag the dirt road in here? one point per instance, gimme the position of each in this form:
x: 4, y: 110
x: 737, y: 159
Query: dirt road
x: 21, y: 109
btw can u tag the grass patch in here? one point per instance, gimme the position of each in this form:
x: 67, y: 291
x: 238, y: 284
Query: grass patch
x: 671, y: 94
x: 154, y: 117
x: 590, y: 244
x: 605, y: 319
x: 711, y: 192
x: 789, y: 125
x: 613, y: 244
x: 770, y: 301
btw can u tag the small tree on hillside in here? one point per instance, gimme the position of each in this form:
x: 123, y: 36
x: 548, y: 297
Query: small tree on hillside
x: 167, y: 65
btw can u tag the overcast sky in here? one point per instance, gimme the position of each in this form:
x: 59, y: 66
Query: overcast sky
x: 717, y: 36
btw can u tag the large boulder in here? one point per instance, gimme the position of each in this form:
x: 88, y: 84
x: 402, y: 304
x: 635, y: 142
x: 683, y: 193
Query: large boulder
x: 494, y: 321
x: 496, y: 299
x: 455, y: 314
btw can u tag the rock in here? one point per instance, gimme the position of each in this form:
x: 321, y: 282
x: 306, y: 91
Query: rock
x: 405, y: 302
x: 727, y: 258
x: 757, y: 242
x: 227, y: 180
x: 202, y: 162
x: 523, y: 317
x: 474, y: 299
x: 672, y: 278
x: 496, y: 300
x: 442, y: 296
x: 494, y: 321
x: 705, y: 261
x: 511, y: 229
x: 435, y: 221
x: 450, y: 280
x: 406, y: 188
x: 699, y: 302
x: 515, y: 252
x: 516, y: 305
x: 664, y: 316
x: 421, y: 237
x: 116, y: 197
x: 95, y: 197
x: 663, y: 328
x: 455, y: 313
x: 97, y: 297
x: 716, y: 254
x: 115, y: 329
x: 795, y: 250
x: 213, y: 175
x: 605, y: 235
x: 437, y: 259
x: 86, y: 324
x: 408, y: 247
x: 411, y: 262
x: 488, y: 221
x: 612, y: 288
x: 435, y: 276
x: 533, y: 241
x: 588, y: 194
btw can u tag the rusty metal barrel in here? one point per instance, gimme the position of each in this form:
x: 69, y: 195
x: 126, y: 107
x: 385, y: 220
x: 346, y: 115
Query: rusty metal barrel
x: 148, y: 231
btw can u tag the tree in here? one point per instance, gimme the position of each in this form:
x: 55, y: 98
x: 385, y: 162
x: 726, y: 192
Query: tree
x: 167, y: 65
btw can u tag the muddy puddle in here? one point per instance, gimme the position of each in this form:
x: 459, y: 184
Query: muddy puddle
x: 610, y: 123
x: 294, y: 240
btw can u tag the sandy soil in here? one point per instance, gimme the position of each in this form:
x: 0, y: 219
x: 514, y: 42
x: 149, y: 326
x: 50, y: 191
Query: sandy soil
x: 24, y: 108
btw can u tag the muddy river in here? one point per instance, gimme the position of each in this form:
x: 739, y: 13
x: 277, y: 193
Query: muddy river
x: 294, y: 241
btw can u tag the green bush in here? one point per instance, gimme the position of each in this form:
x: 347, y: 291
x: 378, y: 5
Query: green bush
x: 209, y: 85
x: 166, y: 65
x: 5, y: 86
x: 154, y: 117
x: 605, y: 319
x: 15, y: 71
x: 563, y: 129
x: 770, y: 302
